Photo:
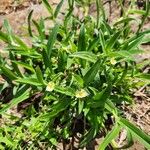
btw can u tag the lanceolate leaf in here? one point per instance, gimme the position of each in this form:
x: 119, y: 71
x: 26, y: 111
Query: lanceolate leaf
x: 134, y: 40
x: 15, y: 66
x: 90, y: 135
x: 18, y: 98
x: 48, y: 7
x: 90, y: 75
x: 102, y: 41
x: 29, y: 23
x: 39, y: 75
x: 52, y: 39
x: 137, y: 11
x: 112, y: 41
x: 65, y: 90
x: 4, y: 37
x: 30, y: 81
x: 124, y: 73
x: 18, y: 50
x: 94, y: 120
x: 8, y: 73
x: 93, y: 44
x: 78, y: 79
x: 109, y: 137
x: 145, y: 15
x: 124, y: 20
x: 143, y: 76
x: 80, y: 105
x: 56, y: 109
x: 46, y: 60
x: 136, y: 132
x: 123, y: 54
x: 82, y: 42
x: 100, y: 98
x: 110, y: 106
x: 24, y: 65
x: 89, y: 56
x: 134, y: 43
x: 58, y: 8
x: 40, y: 28
x: 9, y: 30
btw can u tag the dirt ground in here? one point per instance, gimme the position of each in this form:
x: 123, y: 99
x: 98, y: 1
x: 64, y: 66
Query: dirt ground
x: 16, y: 11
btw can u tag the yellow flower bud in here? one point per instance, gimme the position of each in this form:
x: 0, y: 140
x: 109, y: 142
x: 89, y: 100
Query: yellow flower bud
x: 81, y: 94
x: 113, y: 61
x: 50, y: 86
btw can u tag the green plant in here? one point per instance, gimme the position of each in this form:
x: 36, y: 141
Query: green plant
x: 70, y: 81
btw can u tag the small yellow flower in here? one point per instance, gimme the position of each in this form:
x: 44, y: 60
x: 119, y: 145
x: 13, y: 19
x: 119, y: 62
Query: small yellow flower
x: 113, y: 61
x: 81, y: 94
x: 50, y: 86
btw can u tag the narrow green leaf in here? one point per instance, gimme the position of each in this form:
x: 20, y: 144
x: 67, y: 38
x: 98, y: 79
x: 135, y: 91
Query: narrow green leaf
x: 90, y: 75
x: 24, y: 65
x: 4, y: 37
x: 136, y: 132
x: 13, y: 38
x: 98, y: 13
x: 109, y: 137
x: 48, y: 7
x: 78, y: 79
x: 39, y: 75
x: 71, y: 3
x: 135, y: 43
x: 124, y: 73
x: 30, y: 81
x: 57, y: 10
x: 56, y: 109
x: 93, y: 44
x: 94, y: 120
x: 80, y: 106
x: 143, y: 76
x: 3, y: 85
x: 29, y: 23
x: 68, y: 17
x: 18, y: 98
x: 18, y: 50
x: 65, y: 90
x: 123, y: 54
x: 21, y: 43
x: 124, y: 20
x: 52, y: 39
x: 102, y: 41
x: 8, y: 73
x: 46, y: 60
x: 137, y: 11
x: 40, y: 28
x: 143, y: 63
x: 89, y: 56
x: 81, y: 41
x: 134, y: 38
x: 109, y: 105
x: 112, y: 41
x: 147, y: 8
x: 9, y: 30
x: 100, y: 98
x: 107, y: 28
x: 88, y: 137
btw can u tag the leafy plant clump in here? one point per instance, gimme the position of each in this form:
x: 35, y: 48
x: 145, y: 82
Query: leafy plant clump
x: 70, y: 82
